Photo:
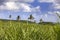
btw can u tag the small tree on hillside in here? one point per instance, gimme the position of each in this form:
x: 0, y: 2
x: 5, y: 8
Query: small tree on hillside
x: 10, y: 19
x: 41, y: 20
x: 31, y: 17
x: 18, y: 17
x: 10, y: 16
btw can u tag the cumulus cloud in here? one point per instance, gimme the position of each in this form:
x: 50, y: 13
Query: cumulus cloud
x: 11, y: 0
x: 56, y: 6
x: 53, y: 1
x: 18, y: 5
x: 15, y: 6
x: 56, y: 3
x: 26, y: 0
x: 2, y: 1
x: 36, y: 9
x: 57, y: 12
x: 20, y: 0
x: 46, y: 15
x: 50, y: 12
x: 11, y: 5
x: 46, y: 0
x: 23, y: 7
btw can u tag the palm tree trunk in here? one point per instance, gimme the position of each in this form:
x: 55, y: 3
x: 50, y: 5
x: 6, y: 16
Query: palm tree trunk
x: 19, y: 23
x: 27, y: 22
x: 10, y: 22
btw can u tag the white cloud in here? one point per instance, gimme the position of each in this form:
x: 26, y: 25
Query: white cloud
x: 11, y: 0
x: 19, y: 0
x: 51, y: 1
x: 2, y: 7
x: 41, y: 16
x: 26, y: 0
x: 56, y: 6
x: 57, y: 1
x: 1, y: 15
x: 11, y: 5
x: 36, y: 9
x: 16, y: 6
x: 25, y: 7
x: 54, y: 13
x: 57, y: 12
x: 46, y: 0
x: 46, y: 15
x: 50, y: 12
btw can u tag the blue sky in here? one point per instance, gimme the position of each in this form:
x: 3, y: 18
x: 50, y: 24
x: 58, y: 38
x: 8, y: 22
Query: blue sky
x: 44, y: 9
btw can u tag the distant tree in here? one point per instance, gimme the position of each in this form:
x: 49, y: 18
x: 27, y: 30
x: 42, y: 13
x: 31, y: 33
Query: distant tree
x: 10, y: 19
x: 31, y: 17
x: 41, y: 20
x: 18, y: 17
x: 10, y: 16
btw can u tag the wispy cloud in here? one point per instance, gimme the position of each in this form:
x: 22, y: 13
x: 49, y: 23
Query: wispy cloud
x: 55, y: 3
x: 16, y: 1
x: 46, y: 0
x: 12, y: 5
x: 18, y: 5
x: 56, y: 6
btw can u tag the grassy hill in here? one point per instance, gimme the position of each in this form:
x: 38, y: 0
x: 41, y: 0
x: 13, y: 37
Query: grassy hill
x: 19, y: 30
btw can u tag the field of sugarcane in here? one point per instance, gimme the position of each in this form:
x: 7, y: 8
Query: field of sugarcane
x: 16, y: 30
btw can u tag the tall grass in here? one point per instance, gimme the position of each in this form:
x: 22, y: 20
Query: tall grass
x: 22, y: 31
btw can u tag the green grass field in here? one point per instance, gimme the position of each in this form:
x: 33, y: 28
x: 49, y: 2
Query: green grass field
x: 16, y: 30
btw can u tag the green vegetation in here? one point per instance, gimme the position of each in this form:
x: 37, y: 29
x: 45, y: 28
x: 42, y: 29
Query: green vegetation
x: 19, y: 30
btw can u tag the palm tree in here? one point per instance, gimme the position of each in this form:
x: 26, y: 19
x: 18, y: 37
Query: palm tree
x: 58, y: 17
x: 18, y: 18
x: 10, y: 19
x: 31, y: 17
x: 41, y: 20
x: 10, y: 16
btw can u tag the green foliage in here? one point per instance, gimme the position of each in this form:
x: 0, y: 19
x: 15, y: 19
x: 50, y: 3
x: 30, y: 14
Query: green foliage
x: 18, y: 17
x: 31, y: 17
x: 20, y: 31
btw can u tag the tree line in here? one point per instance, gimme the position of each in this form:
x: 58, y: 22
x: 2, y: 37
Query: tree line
x: 32, y: 18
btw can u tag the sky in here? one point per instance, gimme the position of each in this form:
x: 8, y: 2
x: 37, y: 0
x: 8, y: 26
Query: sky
x: 45, y: 9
